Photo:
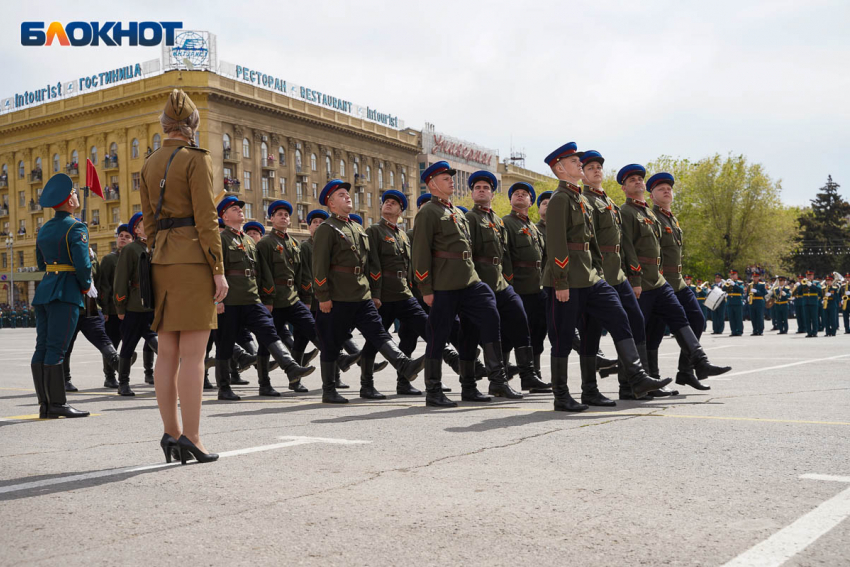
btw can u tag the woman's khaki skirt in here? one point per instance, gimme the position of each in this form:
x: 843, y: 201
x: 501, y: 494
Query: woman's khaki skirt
x: 183, y: 297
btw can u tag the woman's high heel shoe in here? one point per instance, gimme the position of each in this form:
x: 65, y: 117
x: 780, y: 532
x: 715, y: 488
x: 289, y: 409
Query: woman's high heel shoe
x: 188, y: 448
x: 169, y: 447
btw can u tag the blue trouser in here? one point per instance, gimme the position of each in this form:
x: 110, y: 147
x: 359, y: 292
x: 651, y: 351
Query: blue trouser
x: 535, y: 311
x: 847, y: 320
x: 334, y: 328
x: 830, y: 317
x: 757, y: 316
x: 55, y: 324
x: 112, y: 326
x: 657, y: 325
x: 93, y: 330
x: 718, y: 319
x: 237, y: 318
x: 600, y: 301
x: 736, y: 318
x: 413, y: 319
x: 135, y: 326
x: 800, y: 312
x: 479, y: 320
x: 660, y: 306
x: 780, y: 317
x: 590, y: 328
x: 706, y: 313
x: 821, y: 317
x: 408, y: 335
x: 513, y: 320
x: 301, y: 320
x: 811, y: 318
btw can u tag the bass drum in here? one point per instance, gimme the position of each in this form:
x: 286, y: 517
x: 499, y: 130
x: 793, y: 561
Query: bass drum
x: 714, y: 298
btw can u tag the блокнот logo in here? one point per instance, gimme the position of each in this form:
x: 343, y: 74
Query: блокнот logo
x: 78, y: 34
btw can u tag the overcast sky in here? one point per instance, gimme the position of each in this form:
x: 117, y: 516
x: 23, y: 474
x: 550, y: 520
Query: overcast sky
x: 634, y: 80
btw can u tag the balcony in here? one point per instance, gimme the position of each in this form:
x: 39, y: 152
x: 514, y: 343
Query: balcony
x: 359, y: 180
x: 34, y: 207
x: 4, y: 183
x: 4, y: 213
x: 110, y: 163
x: 230, y: 155
x: 111, y: 195
x: 231, y: 185
x: 72, y: 170
x: 35, y: 176
x: 267, y: 163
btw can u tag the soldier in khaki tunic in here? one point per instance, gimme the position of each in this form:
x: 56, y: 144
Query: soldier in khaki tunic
x: 112, y: 323
x: 255, y: 230
x: 135, y: 316
x: 490, y: 256
x: 444, y: 271
x: 642, y: 246
x: 575, y: 288
x: 340, y: 262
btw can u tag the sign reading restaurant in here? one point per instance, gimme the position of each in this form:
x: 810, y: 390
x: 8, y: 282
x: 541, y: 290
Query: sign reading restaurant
x: 451, y: 148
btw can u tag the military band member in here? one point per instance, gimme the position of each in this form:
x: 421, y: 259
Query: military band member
x: 62, y: 252
x: 105, y: 280
x: 135, y: 316
x: 845, y: 303
x: 242, y: 306
x: 444, y: 271
x: 757, y: 294
x: 782, y: 295
x: 255, y: 230
x: 810, y: 294
x: 831, y: 298
x: 735, y: 304
x: 642, y: 236
x: 718, y: 316
x: 574, y: 287
x: 799, y: 309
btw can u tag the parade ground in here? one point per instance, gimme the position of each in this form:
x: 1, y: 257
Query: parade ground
x: 755, y: 471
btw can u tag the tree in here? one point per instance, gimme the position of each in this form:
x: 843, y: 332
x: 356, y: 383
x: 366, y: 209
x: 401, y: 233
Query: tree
x: 824, y: 242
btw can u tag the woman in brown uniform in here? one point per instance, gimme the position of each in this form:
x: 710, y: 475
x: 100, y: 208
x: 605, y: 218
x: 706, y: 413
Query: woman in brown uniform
x: 187, y: 272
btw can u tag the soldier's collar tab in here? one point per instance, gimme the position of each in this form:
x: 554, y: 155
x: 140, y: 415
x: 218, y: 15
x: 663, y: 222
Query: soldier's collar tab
x: 520, y: 216
x: 279, y: 233
x: 341, y: 218
x: 600, y: 192
x: 441, y: 201
x: 235, y: 231
x: 392, y: 225
x: 637, y: 202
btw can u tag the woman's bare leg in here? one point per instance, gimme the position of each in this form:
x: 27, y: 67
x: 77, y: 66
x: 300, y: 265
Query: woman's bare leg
x: 165, y: 381
x: 190, y: 382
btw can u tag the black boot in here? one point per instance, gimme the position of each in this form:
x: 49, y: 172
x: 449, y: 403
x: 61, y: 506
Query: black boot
x: 686, y: 375
x: 345, y: 361
x: 451, y: 357
x: 244, y: 359
x: 480, y: 369
x: 124, y: 365
x: 66, y: 373
x: 653, y: 370
x: 293, y: 370
x: 367, y: 380
x: 468, y: 386
x: 207, y: 384
x: 264, y: 378
x: 235, y: 378
x: 637, y: 378
x: 407, y: 367
x: 147, y: 361
x: 538, y: 370
x: 690, y: 344
x: 625, y: 389
x: 110, y: 366
x: 299, y: 357
x: 527, y: 373
x: 434, y: 396
x: 590, y: 393
x: 350, y: 347
x: 222, y: 380
x: 403, y: 387
x: 40, y: 392
x: 53, y: 377
x: 329, y: 393
x: 338, y: 383
x: 499, y: 386
x: 563, y: 400
x: 605, y: 366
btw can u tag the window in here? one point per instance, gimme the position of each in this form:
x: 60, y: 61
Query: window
x: 247, y: 177
x: 137, y: 181
x: 228, y: 173
x: 226, y: 141
x: 299, y: 191
x: 4, y: 260
x: 342, y: 168
x: 38, y: 164
x: 137, y: 209
x: 134, y: 148
x: 313, y: 162
x: 74, y: 161
x: 113, y: 150
x: 39, y: 222
x: 265, y: 183
x: 55, y: 163
x: 368, y: 199
x: 246, y: 148
x: 249, y: 211
x: 20, y: 258
x: 369, y: 221
x: 281, y: 156
x: 197, y: 138
x: 315, y: 190
x: 113, y: 181
x: 93, y: 154
x: 380, y: 178
x: 264, y: 151
x: 22, y: 226
x: 302, y: 213
x: 282, y: 186
x: 116, y: 215
x: 94, y: 249
x: 368, y: 173
x: 328, y: 164
x: 95, y: 217
x: 356, y: 200
x: 403, y: 180
x: 22, y: 197
x: 21, y: 169
x: 297, y: 161
x: 356, y: 168
x: 157, y: 141
x: 5, y: 169
x: 392, y: 179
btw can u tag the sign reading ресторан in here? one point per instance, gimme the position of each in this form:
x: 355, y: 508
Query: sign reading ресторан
x: 313, y: 96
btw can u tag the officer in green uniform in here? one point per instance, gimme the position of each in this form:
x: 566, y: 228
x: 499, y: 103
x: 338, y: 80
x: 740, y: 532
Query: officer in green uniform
x: 735, y: 304
x: 340, y: 263
x: 757, y: 291
x: 782, y: 295
x: 831, y: 297
x: 62, y: 251
x: 106, y: 297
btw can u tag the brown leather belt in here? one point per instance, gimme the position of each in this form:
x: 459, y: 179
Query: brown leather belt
x: 677, y: 269
x: 248, y: 273
x: 523, y: 264
x: 399, y: 275
x: 347, y: 269
x: 165, y: 224
x: 290, y: 282
x: 466, y: 255
x: 610, y: 248
x: 487, y: 260
x: 648, y: 260
x: 583, y: 246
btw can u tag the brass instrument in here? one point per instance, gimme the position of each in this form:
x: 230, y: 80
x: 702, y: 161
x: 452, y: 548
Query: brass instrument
x: 750, y: 293
x: 769, y: 298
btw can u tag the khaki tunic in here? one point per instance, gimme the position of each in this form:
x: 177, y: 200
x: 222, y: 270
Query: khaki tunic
x: 526, y: 246
x: 671, y: 248
x: 341, y: 243
x: 282, y: 270
x: 609, y: 234
x: 489, y: 244
x: 128, y: 296
x: 389, y: 262
x: 641, y: 245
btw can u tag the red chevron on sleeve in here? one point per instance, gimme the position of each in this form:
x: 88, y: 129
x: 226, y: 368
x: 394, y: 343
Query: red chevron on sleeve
x: 268, y: 290
x: 562, y: 263
x: 635, y: 268
x: 509, y: 277
x: 375, y: 275
x: 420, y: 276
x: 322, y: 282
x: 306, y: 287
x: 120, y: 297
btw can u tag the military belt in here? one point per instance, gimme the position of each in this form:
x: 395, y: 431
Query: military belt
x: 610, y: 248
x: 582, y: 246
x: 781, y: 303
x: 247, y: 272
x: 677, y: 269
x: 347, y: 269
x: 399, y: 275
x: 522, y: 264
x: 56, y: 268
x: 757, y: 297
x: 649, y: 260
x: 290, y: 282
x: 734, y: 294
x: 165, y: 224
x: 810, y: 295
x: 495, y: 260
x: 465, y: 255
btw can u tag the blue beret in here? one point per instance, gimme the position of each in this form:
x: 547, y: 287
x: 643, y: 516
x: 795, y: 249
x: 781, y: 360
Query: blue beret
x: 423, y: 198
x: 543, y: 196
x: 228, y: 202
x: 564, y: 151
x: 356, y: 218
x: 662, y: 177
x: 57, y: 191
x: 122, y: 228
x: 523, y: 186
x: 278, y: 204
x: 316, y: 213
x: 464, y: 209
x: 330, y: 187
x: 628, y: 170
x: 397, y: 195
x: 134, y: 220
x: 221, y: 223
x: 591, y: 156
x: 437, y: 169
x: 483, y: 175
x: 254, y: 225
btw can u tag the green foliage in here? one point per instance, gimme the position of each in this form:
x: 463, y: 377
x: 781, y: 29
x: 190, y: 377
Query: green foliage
x: 824, y: 242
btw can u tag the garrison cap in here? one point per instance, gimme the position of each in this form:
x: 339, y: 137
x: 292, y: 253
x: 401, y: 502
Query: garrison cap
x: 329, y: 189
x: 397, y: 195
x: 628, y: 170
x: 591, y: 156
x: 57, y: 191
x: 483, y: 175
x: 134, y: 220
x: 228, y: 202
x: 435, y: 170
x: 544, y: 196
x: 316, y: 213
x: 179, y: 106
x: 281, y: 204
x: 423, y: 198
x: 658, y: 179
x: 356, y: 218
x: 254, y: 225
x: 122, y: 228
x: 522, y: 186
x: 566, y: 150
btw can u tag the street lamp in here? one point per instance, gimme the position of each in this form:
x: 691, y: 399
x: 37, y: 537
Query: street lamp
x: 10, y: 245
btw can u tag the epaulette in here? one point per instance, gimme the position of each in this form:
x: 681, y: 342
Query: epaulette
x: 197, y: 149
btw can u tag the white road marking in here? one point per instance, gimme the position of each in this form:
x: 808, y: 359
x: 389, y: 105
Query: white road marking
x: 292, y: 442
x: 791, y: 540
x: 789, y: 365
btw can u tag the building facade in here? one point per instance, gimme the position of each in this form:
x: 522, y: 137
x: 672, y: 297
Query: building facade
x: 465, y: 157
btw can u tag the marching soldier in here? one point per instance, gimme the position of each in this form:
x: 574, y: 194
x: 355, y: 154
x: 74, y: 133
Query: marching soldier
x: 831, y: 296
x: 701, y: 293
x: 282, y: 275
x: 112, y: 323
x: 757, y: 293
x: 490, y: 257
x: 62, y: 252
x: 445, y: 273
x: 735, y: 304
x: 136, y: 318
x: 574, y: 286
x: 340, y: 262
x: 811, y: 294
x: 255, y: 230
x: 642, y: 236
x: 782, y: 295
x: 799, y: 305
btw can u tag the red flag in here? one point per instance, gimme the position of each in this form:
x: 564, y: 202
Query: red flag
x: 92, y: 181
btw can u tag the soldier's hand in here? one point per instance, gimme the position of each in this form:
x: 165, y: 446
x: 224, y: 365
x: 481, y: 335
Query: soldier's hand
x: 106, y: 317
x: 377, y: 302
x: 428, y: 299
x: 637, y: 291
x: 270, y: 307
x: 326, y: 306
x: 562, y: 295
x: 221, y: 288
x: 121, y: 316
x: 219, y: 308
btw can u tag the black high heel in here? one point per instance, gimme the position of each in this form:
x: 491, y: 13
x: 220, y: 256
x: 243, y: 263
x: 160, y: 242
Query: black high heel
x: 188, y: 448
x: 169, y: 447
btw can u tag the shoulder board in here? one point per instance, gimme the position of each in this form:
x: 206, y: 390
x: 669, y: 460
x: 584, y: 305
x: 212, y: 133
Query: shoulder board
x: 197, y: 149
